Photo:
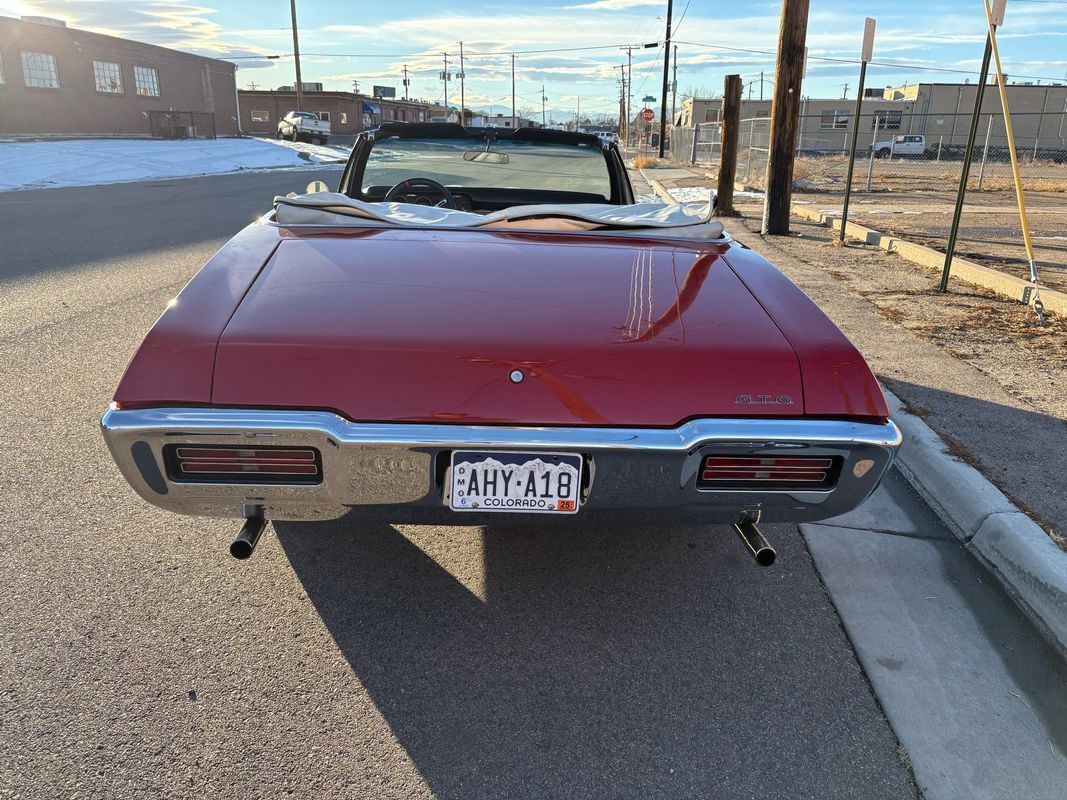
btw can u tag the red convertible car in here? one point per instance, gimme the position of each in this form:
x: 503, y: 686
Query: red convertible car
x: 483, y: 321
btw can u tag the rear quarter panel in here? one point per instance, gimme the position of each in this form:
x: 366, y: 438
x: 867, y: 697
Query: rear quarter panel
x: 837, y: 381
x: 176, y: 360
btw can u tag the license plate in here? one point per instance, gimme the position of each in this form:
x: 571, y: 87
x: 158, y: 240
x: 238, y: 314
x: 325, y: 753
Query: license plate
x: 545, y: 483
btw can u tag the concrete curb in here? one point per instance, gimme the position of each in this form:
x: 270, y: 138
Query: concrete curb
x: 1003, y: 284
x: 1030, y: 567
x: 657, y: 187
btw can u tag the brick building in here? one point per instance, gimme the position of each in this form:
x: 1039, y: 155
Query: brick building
x: 59, y: 80
x: 348, y: 113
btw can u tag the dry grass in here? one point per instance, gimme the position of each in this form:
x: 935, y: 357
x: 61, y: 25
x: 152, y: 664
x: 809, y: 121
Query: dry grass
x: 646, y: 162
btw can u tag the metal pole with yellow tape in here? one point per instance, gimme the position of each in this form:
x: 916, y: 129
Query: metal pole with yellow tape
x: 995, y: 18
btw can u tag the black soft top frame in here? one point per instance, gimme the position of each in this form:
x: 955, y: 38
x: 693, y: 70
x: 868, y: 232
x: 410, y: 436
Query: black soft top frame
x: 452, y: 130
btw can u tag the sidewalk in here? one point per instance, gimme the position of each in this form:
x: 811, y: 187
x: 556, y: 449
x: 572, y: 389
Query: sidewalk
x: 975, y: 367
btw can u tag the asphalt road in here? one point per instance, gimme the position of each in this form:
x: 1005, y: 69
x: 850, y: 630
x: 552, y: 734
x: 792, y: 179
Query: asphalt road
x: 355, y: 658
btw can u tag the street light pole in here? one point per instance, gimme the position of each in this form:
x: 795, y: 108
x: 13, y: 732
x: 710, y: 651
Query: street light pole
x: 296, y: 59
x: 543, y: 99
x: 462, y: 85
x: 666, y: 82
x: 514, y: 121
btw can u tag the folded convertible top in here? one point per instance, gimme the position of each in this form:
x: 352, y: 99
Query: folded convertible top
x: 332, y: 208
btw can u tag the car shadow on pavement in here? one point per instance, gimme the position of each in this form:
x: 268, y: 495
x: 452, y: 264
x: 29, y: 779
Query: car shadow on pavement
x: 599, y: 662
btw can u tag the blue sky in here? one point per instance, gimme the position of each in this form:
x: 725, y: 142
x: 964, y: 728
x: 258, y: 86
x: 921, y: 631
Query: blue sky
x: 371, y: 41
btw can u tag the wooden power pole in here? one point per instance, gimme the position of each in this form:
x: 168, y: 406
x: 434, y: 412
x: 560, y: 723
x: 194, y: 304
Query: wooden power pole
x: 731, y: 128
x: 785, y: 109
x: 296, y: 58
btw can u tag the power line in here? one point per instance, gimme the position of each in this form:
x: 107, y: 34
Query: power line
x: 894, y: 64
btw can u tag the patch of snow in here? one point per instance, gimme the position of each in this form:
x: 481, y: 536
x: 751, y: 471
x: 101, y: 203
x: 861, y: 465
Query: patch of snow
x: 86, y: 162
x: 322, y: 153
x: 692, y: 194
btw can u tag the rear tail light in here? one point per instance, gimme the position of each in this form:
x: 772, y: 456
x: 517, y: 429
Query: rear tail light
x: 235, y: 464
x: 768, y: 472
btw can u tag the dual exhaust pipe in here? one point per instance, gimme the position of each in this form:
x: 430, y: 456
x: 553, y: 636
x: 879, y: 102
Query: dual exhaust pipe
x: 244, y: 544
x: 759, y: 547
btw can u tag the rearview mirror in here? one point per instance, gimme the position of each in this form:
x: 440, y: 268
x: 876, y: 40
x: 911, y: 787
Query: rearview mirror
x: 486, y: 157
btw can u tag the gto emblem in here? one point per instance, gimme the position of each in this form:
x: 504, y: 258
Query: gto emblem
x: 764, y: 400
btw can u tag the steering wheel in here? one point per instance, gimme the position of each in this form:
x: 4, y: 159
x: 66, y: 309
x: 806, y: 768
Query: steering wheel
x: 448, y: 200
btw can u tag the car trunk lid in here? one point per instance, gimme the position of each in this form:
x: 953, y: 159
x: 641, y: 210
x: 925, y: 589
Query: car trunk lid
x: 490, y: 327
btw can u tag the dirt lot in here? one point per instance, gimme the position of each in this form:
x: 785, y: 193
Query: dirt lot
x: 990, y: 233
x: 914, y: 200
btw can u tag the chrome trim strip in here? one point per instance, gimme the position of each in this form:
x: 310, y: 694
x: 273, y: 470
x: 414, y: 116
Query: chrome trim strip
x: 389, y: 465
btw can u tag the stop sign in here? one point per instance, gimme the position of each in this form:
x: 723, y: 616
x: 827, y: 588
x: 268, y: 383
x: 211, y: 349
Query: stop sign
x: 648, y: 115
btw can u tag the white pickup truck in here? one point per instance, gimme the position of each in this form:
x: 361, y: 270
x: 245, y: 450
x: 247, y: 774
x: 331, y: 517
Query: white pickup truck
x: 904, y: 145
x: 305, y: 125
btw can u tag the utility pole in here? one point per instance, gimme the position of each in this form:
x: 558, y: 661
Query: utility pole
x: 578, y: 114
x: 623, y: 123
x: 666, y: 75
x: 761, y: 85
x: 296, y: 59
x: 252, y: 85
x: 674, y: 87
x: 355, y: 87
x: 627, y: 83
x: 785, y: 109
x: 543, y: 99
x: 731, y: 129
x: 406, y: 82
x: 462, y: 86
x: 844, y: 93
x: 444, y: 77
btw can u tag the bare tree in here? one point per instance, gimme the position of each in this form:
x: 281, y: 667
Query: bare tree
x: 527, y: 112
x: 701, y: 92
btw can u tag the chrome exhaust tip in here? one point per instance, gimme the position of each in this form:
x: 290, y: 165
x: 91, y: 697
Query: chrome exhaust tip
x: 759, y: 547
x: 245, y: 543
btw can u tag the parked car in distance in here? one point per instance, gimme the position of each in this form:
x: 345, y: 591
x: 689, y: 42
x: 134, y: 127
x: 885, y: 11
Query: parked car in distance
x: 904, y: 145
x: 306, y: 125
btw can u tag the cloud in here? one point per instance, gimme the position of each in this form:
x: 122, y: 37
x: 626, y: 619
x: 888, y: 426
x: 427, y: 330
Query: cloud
x: 614, y: 5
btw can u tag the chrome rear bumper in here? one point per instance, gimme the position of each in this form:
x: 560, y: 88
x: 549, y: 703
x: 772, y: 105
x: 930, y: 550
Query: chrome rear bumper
x: 404, y: 466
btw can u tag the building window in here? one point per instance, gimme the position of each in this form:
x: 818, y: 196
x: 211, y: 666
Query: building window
x: 108, y: 77
x: 324, y: 115
x: 887, y: 120
x: 711, y: 114
x: 146, y: 79
x: 344, y: 117
x: 834, y: 120
x: 261, y: 116
x: 39, y: 70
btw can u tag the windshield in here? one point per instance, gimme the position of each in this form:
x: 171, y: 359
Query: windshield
x: 528, y: 165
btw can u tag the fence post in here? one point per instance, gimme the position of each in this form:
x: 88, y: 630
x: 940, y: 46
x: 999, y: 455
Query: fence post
x: 696, y: 136
x: 985, y: 152
x: 940, y: 140
x: 874, y: 144
x: 731, y: 127
x: 751, y: 134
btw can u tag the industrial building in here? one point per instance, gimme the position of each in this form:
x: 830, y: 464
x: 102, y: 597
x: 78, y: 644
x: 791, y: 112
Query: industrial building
x: 60, y: 81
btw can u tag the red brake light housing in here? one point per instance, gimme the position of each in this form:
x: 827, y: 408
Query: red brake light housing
x: 812, y: 473
x: 239, y: 464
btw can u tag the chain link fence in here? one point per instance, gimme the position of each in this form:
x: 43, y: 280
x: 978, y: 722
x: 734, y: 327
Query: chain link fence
x: 899, y: 154
x: 698, y: 145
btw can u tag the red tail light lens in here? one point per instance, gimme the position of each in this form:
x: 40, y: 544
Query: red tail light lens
x: 234, y: 464
x: 754, y: 472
